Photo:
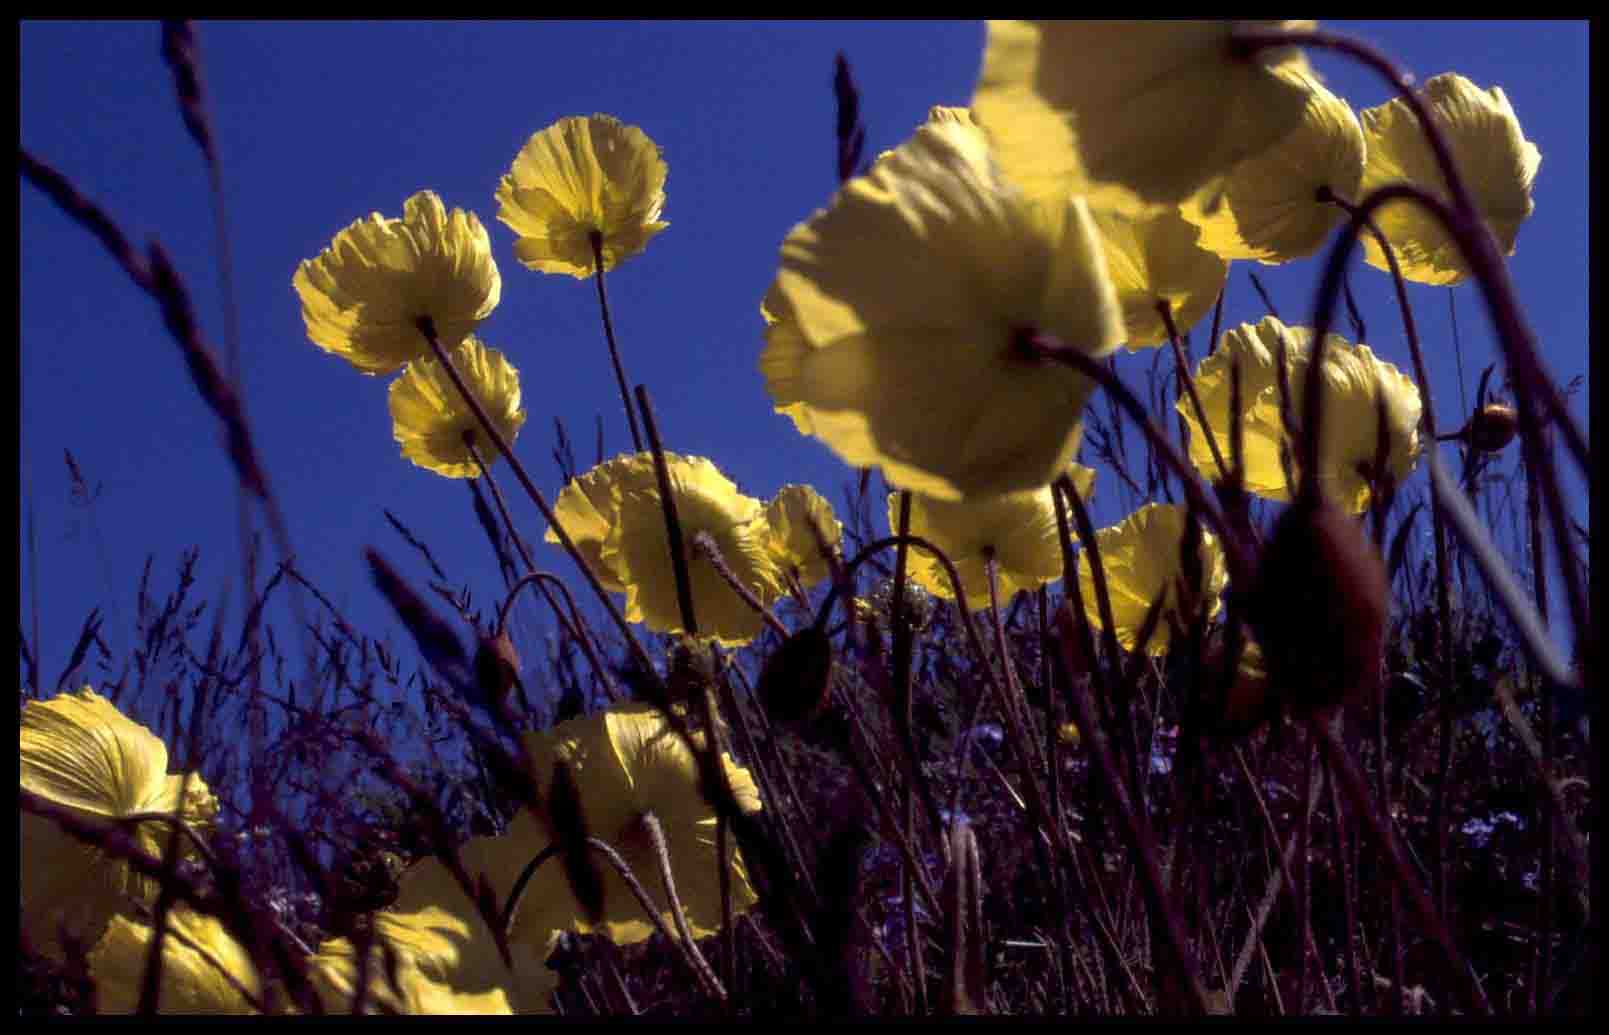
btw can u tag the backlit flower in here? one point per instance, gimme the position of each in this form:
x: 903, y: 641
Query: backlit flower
x: 80, y: 753
x: 1267, y: 208
x: 1142, y: 561
x: 578, y: 177
x: 204, y: 969
x: 901, y: 305
x: 362, y: 297
x: 1155, y: 258
x: 792, y: 546
x: 1155, y: 109
x: 627, y: 762
x: 429, y: 416
x: 448, y: 955
x: 616, y: 509
x: 1497, y: 163
x: 1017, y: 529
x: 1353, y: 378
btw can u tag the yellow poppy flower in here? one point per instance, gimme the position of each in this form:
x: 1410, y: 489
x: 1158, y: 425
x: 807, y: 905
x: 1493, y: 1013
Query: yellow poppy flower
x: 1018, y: 529
x: 1156, y: 258
x: 587, y: 503
x: 1496, y: 161
x: 204, y: 969
x: 450, y: 957
x: 1267, y: 208
x: 791, y: 544
x: 627, y: 762
x: 1140, y: 557
x: 362, y: 296
x: 1154, y: 109
x: 578, y: 177
x: 80, y: 753
x: 1353, y: 376
x: 908, y: 294
x: 429, y: 416
x: 615, y: 509
x: 333, y: 970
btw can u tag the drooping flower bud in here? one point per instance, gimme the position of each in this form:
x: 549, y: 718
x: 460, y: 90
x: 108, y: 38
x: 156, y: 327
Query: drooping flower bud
x: 797, y: 678
x: 1319, y: 607
x: 1492, y: 427
x: 497, y: 670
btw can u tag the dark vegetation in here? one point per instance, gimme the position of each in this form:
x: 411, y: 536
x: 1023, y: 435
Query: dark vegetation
x: 359, y: 755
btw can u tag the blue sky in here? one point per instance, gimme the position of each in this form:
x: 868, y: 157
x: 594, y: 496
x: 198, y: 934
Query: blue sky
x: 320, y: 123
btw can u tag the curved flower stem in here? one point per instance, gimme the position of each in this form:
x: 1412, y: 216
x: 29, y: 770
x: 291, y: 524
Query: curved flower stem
x: 673, y: 524
x: 572, y: 623
x: 609, y: 333
x: 1189, y: 385
x: 427, y: 328
x: 516, y: 894
x: 704, y: 546
x: 700, y: 969
x: 1427, y: 422
x: 1045, y: 346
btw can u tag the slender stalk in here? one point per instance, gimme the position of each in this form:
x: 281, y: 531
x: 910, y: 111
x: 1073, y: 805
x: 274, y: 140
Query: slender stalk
x: 1141, y: 841
x: 1188, y: 384
x: 1350, y: 901
x: 1047, y: 347
x: 571, y: 622
x: 427, y: 328
x: 609, y: 333
x: 689, y: 951
x: 656, y: 835
x: 1352, y: 783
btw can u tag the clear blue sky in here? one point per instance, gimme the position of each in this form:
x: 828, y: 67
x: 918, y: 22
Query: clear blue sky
x: 321, y: 123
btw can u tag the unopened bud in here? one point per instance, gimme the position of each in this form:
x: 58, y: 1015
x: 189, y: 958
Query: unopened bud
x: 1492, y: 427
x: 497, y: 669
x: 797, y: 677
x: 1319, y: 607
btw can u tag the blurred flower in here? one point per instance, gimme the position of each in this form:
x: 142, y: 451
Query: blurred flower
x: 1068, y: 734
x: 1353, y: 379
x: 363, y: 295
x: 448, y: 957
x: 626, y: 762
x: 204, y: 969
x: 898, y: 309
x: 1268, y: 208
x: 616, y: 508
x: 1147, y: 111
x: 791, y: 544
x: 429, y: 415
x: 578, y: 177
x: 1142, y: 561
x: 1017, y: 529
x: 80, y: 753
x: 1496, y: 161
x: 1155, y: 259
